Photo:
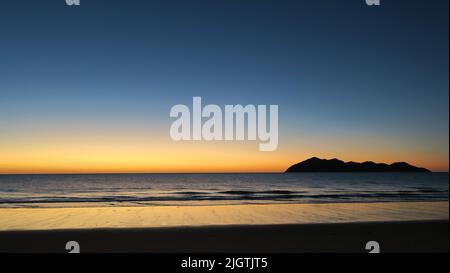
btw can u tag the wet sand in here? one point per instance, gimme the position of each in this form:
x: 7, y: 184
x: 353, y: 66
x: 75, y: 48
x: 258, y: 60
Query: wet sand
x: 187, y: 216
x: 293, y: 228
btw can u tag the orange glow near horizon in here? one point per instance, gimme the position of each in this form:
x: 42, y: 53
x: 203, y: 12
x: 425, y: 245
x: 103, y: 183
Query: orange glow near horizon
x: 125, y: 154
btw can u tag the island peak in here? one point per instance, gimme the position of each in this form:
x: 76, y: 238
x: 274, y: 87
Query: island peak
x: 316, y: 164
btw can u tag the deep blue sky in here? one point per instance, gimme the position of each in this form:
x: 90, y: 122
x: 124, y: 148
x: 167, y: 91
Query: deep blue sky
x: 332, y: 66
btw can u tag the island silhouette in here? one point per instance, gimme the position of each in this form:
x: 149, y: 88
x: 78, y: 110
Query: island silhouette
x: 315, y: 164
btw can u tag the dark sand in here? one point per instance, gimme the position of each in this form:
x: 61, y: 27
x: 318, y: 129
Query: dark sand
x: 420, y: 236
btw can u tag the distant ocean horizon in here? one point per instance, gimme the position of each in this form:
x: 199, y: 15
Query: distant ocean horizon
x: 75, y: 190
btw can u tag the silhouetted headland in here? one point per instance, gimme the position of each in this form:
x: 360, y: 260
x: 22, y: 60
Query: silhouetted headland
x: 335, y: 165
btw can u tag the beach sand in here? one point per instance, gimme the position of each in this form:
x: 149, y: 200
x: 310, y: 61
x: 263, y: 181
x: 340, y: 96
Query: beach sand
x: 294, y: 228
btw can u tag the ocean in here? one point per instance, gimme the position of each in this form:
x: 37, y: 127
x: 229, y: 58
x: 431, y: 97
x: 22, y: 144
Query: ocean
x: 75, y: 190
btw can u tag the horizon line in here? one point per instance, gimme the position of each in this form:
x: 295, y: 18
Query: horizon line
x: 231, y: 172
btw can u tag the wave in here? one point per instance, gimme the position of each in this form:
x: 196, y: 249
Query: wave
x: 224, y: 188
x: 236, y: 195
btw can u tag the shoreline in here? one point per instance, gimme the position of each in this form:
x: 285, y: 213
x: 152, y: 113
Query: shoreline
x: 15, y: 219
x: 289, y: 228
x: 57, y: 205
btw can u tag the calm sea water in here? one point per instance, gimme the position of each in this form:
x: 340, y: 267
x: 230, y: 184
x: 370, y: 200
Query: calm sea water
x: 189, y: 189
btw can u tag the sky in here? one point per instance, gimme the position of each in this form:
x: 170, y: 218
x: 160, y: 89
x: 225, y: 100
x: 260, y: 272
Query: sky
x: 89, y: 88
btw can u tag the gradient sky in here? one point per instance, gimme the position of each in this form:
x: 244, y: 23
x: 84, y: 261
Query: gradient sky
x: 89, y: 88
